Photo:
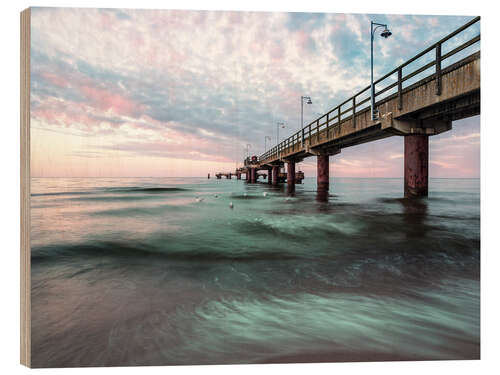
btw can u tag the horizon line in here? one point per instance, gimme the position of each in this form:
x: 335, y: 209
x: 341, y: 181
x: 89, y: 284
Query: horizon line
x: 205, y: 177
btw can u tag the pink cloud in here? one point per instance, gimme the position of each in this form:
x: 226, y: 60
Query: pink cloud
x: 276, y: 52
x: 55, y: 79
x: 107, y: 21
x: 106, y: 100
x: 70, y: 114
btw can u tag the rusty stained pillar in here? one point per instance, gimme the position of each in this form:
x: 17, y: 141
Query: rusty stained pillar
x: 416, y: 165
x: 290, y: 174
x: 323, y: 171
x: 276, y: 171
x: 253, y: 175
x: 270, y: 176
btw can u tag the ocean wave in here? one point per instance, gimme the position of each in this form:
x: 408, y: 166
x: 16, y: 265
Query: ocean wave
x: 340, y: 326
x: 133, y: 189
x: 243, y: 196
x: 298, y: 226
x: 137, y: 189
x: 139, y: 249
x: 111, y: 198
x: 63, y: 193
x: 141, y: 211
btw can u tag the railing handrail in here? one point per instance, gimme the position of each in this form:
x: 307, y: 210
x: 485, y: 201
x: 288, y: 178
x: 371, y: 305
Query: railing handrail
x: 275, y: 150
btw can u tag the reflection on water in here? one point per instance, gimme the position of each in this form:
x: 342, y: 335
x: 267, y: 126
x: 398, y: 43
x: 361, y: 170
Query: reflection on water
x: 415, y: 214
x: 322, y: 196
x: 162, y: 271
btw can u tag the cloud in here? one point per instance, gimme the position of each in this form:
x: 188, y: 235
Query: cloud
x: 443, y: 164
x: 396, y: 156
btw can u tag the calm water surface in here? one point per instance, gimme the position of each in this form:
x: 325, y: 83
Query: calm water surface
x: 157, y: 271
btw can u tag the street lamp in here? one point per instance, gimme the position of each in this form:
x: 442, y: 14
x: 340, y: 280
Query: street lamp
x: 302, y: 98
x: 265, y: 142
x: 385, y: 34
x: 278, y: 124
x: 248, y: 147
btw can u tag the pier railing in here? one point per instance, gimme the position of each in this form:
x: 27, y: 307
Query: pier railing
x: 426, y: 64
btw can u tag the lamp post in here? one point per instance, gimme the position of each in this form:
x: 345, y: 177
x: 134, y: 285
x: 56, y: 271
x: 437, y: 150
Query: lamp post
x: 385, y: 34
x: 265, y: 142
x: 248, y: 148
x: 278, y: 124
x: 302, y: 98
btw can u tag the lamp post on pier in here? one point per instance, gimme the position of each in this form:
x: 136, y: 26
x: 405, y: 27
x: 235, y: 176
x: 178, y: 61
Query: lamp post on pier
x: 266, y: 138
x: 384, y: 34
x: 308, y: 101
x: 278, y: 124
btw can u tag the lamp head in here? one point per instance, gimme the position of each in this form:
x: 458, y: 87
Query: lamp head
x: 386, y: 33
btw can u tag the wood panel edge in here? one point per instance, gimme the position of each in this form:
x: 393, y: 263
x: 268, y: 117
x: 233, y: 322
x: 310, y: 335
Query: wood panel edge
x: 25, y: 189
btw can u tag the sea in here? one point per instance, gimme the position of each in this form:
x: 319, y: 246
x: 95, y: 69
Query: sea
x: 188, y: 271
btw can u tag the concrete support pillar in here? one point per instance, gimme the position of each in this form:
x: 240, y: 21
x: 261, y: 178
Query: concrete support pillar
x: 290, y: 174
x: 276, y: 171
x: 238, y: 176
x: 323, y: 170
x: 270, y: 176
x: 416, y: 165
x: 253, y: 175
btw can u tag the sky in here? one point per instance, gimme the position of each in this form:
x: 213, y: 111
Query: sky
x: 119, y: 93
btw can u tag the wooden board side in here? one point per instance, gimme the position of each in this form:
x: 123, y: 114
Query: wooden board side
x: 25, y: 341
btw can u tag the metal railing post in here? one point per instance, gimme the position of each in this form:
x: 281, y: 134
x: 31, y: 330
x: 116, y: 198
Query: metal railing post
x: 327, y: 125
x: 400, y: 88
x: 438, y: 69
x: 317, y: 131
x: 338, y: 118
x: 354, y: 111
